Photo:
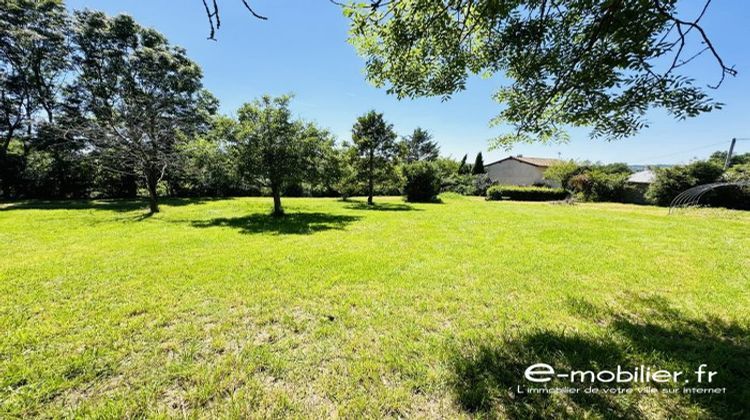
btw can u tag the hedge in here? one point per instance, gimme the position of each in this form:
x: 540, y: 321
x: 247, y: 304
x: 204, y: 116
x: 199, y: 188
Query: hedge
x: 511, y: 192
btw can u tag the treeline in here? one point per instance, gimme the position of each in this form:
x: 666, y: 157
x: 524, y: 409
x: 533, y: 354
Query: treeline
x: 95, y: 106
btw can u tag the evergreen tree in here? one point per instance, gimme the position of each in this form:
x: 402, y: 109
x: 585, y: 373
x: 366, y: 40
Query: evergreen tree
x: 462, y: 167
x: 478, y: 167
x: 420, y: 146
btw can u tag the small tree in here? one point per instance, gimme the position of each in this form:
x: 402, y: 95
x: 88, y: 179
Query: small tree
x: 419, y: 146
x: 374, y: 141
x: 478, y: 167
x: 276, y: 150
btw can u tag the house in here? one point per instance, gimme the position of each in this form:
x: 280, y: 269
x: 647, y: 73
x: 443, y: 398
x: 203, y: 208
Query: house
x: 520, y: 170
x: 639, y: 183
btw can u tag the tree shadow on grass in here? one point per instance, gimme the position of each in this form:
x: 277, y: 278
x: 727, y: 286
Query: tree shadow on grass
x: 291, y: 223
x: 651, y: 333
x: 361, y: 205
x: 117, y: 205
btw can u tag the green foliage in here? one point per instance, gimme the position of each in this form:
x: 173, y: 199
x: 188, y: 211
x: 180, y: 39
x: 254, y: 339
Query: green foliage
x: 275, y: 150
x: 672, y: 181
x: 208, y: 168
x: 419, y: 146
x: 512, y: 192
x: 478, y: 167
x: 575, y: 63
x: 463, y: 168
x: 562, y: 172
x: 422, y: 181
x: 374, y: 142
x: 720, y: 158
x: 34, y: 56
x: 135, y: 96
x: 599, y: 185
x: 738, y: 172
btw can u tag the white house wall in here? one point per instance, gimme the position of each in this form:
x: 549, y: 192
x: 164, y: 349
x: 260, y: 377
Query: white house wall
x: 513, y: 172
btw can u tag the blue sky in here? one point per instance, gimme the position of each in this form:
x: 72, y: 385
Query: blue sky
x: 302, y: 49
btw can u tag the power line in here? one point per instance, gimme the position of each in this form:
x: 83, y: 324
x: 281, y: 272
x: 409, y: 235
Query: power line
x: 643, y: 160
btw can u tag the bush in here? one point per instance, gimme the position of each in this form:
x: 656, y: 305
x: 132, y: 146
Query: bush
x: 562, y: 172
x: 599, y: 185
x: 467, y: 184
x: 422, y: 181
x: 499, y: 192
x: 672, y: 181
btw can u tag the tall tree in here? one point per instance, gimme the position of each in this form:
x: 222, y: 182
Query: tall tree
x: 138, y: 96
x: 420, y: 146
x: 478, y: 167
x: 34, y: 55
x: 374, y: 140
x: 593, y: 63
x: 276, y: 150
x: 463, y: 168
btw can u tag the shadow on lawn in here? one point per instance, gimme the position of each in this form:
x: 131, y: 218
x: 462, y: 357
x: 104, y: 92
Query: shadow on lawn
x: 361, y: 205
x: 652, y: 334
x: 291, y: 223
x: 117, y: 205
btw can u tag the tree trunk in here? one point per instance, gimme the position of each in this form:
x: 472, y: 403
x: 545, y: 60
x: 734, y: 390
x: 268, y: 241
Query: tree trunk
x: 371, y: 180
x: 278, y: 211
x: 153, y: 198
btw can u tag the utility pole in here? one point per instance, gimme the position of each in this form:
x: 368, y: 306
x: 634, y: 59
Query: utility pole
x: 729, y: 155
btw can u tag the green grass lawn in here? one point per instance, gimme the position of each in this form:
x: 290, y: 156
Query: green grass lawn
x: 212, y: 308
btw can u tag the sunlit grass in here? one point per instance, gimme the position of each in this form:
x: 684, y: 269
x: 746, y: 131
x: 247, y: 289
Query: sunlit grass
x: 213, y: 308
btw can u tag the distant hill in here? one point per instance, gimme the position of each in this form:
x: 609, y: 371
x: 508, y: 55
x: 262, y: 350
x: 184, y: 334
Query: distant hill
x: 638, y: 168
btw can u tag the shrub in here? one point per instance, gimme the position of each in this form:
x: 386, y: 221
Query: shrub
x: 672, y: 181
x: 467, y: 184
x: 421, y: 181
x: 598, y: 185
x: 499, y: 192
x: 562, y: 172
x: 482, y: 183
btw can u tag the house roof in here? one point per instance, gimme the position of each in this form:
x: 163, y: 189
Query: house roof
x: 642, y: 177
x: 534, y: 161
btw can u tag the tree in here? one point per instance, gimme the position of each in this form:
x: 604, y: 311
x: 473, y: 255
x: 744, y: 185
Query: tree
x: 599, y: 63
x: 34, y: 56
x: 420, y: 146
x: 463, y: 168
x: 137, y: 94
x: 348, y: 181
x: 374, y: 141
x: 275, y: 149
x: 207, y: 162
x: 478, y: 167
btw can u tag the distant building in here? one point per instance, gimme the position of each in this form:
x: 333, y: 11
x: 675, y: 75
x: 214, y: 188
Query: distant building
x: 519, y: 170
x: 639, y: 183
x: 645, y: 177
